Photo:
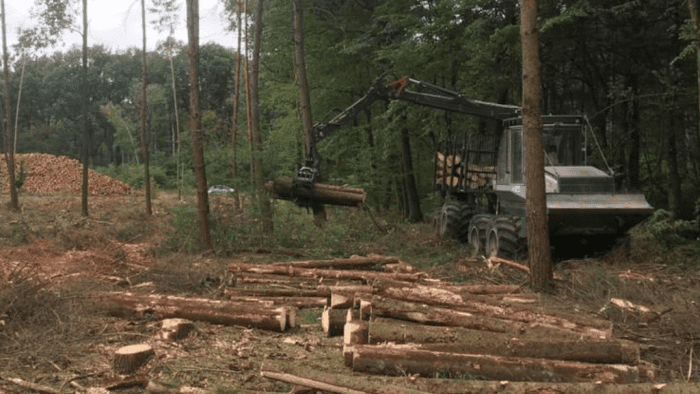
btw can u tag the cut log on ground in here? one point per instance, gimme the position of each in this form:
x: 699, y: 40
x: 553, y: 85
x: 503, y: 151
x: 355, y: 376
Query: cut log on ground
x: 488, y: 307
x: 356, y: 262
x: 432, y: 315
x: 414, y: 385
x: 355, y: 333
x: 481, y: 289
x: 460, y: 340
x: 128, y: 359
x: 323, y: 193
x: 333, y: 321
x: 197, y: 309
x: 339, y: 384
x: 401, y: 360
x: 324, y: 273
x: 175, y: 329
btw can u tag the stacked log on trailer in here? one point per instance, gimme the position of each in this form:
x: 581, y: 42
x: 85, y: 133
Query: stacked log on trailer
x: 452, y: 172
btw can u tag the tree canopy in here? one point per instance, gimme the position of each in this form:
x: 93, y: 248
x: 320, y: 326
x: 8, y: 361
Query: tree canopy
x: 625, y: 64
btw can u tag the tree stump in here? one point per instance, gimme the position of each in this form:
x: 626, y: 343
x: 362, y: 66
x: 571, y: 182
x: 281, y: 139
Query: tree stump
x: 130, y: 358
x: 175, y: 329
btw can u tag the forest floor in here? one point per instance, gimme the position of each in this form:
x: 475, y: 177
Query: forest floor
x: 52, y: 259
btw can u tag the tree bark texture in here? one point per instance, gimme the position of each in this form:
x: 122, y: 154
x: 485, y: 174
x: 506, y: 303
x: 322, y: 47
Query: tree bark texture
x: 540, y: 259
x: 129, y: 359
x: 304, y: 99
x: 196, y: 133
x: 236, y: 99
x: 283, y: 187
x: 414, y: 213
x: 9, y: 141
x: 86, y: 129
x: 247, y: 314
x: 256, y: 141
x: 323, y: 273
x: 143, y: 113
x: 411, y: 385
x: 529, y: 343
x: 402, y: 360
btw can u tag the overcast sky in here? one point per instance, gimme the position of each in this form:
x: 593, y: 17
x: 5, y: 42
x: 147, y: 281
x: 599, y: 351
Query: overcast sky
x: 116, y: 24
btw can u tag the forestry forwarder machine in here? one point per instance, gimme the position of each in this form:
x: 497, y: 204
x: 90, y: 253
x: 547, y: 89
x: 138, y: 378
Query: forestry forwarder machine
x: 482, y: 178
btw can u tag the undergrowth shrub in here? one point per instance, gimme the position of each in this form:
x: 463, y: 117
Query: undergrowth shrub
x: 669, y: 232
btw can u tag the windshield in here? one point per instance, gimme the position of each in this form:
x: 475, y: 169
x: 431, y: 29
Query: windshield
x: 563, y: 145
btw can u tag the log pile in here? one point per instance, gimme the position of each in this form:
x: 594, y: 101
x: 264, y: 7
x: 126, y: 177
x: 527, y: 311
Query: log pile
x: 404, y: 323
x: 398, y: 322
x: 450, y: 171
x: 47, y: 173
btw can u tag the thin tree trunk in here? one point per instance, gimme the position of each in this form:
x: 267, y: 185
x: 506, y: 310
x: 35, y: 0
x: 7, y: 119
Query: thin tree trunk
x: 143, y: 112
x: 256, y: 141
x: 19, y: 96
x: 304, y: 101
x: 236, y: 95
x: 177, y: 121
x: 196, y: 125
x: 539, y: 256
x: 414, y: 213
x: 86, y: 131
x: 9, y: 146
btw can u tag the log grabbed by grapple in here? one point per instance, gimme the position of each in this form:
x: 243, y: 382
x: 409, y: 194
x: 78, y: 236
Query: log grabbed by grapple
x: 315, y: 193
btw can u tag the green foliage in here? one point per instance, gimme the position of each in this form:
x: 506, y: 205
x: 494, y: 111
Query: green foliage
x: 134, y: 175
x: 669, y: 232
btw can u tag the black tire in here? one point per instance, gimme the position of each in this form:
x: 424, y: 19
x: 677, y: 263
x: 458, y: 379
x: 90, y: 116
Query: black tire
x: 452, y: 220
x: 502, y: 238
x: 477, y: 233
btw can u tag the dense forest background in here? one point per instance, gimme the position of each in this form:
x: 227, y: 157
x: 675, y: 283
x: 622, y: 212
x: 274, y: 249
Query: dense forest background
x: 629, y: 66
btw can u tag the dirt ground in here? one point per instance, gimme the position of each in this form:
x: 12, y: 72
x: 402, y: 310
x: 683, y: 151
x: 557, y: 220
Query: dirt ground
x: 51, y: 260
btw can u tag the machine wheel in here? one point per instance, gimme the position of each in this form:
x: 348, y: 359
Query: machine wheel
x: 502, y: 238
x: 452, y: 219
x: 477, y: 233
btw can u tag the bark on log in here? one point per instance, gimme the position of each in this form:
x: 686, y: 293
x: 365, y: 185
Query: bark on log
x: 333, y: 321
x: 488, y: 307
x: 297, y: 302
x: 323, y: 193
x: 340, y: 384
x: 355, y: 262
x: 438, y: 316
x: 324, y: 273
x: 128, y: 359
x: 262, y: 279
x: 482, y: 289
x: 459, y: 340
x: 413, y: 385
x: 400, y: 360
x: 198, y: 309
x: 320, y: 291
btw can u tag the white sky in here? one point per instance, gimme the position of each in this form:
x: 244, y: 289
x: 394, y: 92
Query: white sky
x: 117, y: 24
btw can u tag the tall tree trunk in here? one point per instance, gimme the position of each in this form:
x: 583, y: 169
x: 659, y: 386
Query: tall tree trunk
x: 256, y: 141
x: 196, y: 125
x: 633, y: 149
x: 539, y: 254
x: 696, y: 24
x: 9, y: 145
x: 86, y: 129
x: 414, y: 213
x: 143, y: 112
x: 236, y: 94
x: 178, y: 170
x: 304, y: 100
x: 19, y: 97
x: 674, y: 179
